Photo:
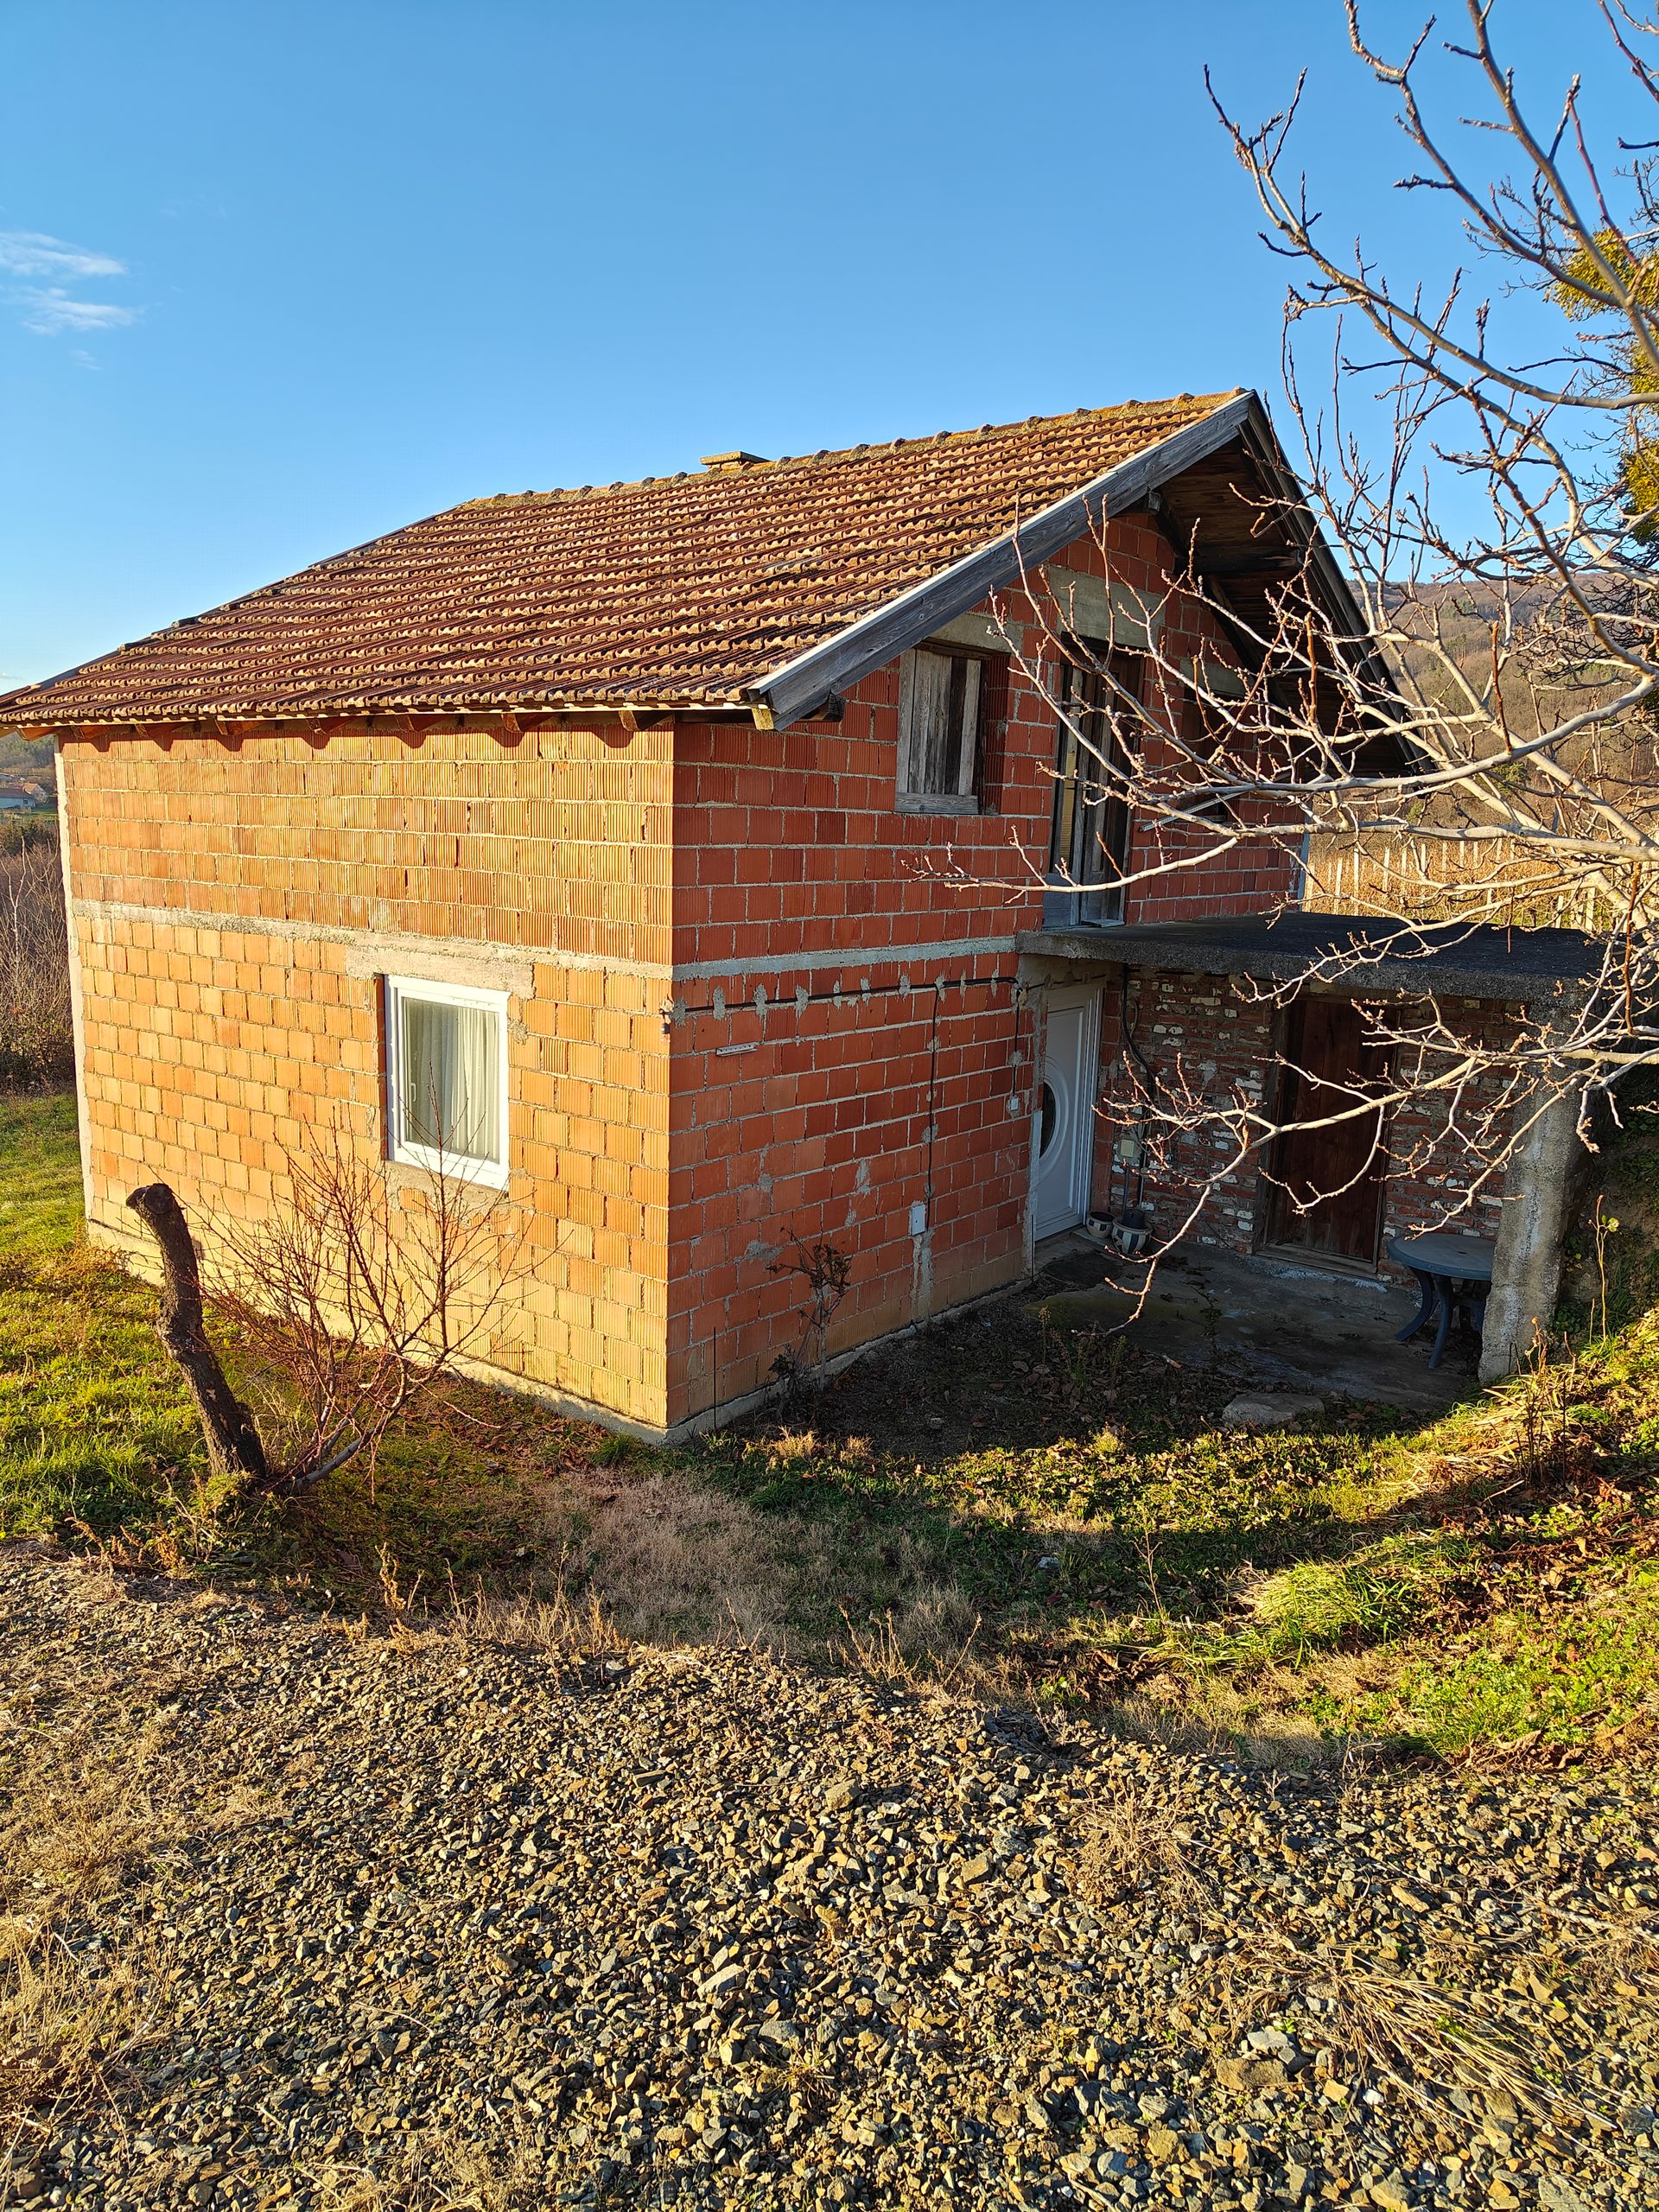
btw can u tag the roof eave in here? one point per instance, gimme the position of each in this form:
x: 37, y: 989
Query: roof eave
x: 789, y: 692
x: 36, y: 723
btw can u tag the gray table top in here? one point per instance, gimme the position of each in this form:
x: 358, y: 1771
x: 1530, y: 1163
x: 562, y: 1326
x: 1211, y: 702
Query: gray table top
x: 1468, y: 1258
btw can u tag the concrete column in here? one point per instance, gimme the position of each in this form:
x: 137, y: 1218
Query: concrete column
x: 1527, y: 1267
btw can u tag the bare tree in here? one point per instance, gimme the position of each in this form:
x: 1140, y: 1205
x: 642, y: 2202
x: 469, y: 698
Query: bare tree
x: 348, y: 1302
x: 37, y: 1048
x: 1472, y: 740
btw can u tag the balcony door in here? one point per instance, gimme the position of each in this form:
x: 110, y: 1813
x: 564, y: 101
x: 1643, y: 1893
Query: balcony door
x: 1062, y: 1162
x: 1090, y: 840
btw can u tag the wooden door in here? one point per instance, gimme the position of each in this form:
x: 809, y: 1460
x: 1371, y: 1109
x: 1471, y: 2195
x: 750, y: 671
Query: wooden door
x: 1326, y: 1195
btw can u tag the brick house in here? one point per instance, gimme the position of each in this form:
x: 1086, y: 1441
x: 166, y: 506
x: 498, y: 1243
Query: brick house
x: 662, y: 844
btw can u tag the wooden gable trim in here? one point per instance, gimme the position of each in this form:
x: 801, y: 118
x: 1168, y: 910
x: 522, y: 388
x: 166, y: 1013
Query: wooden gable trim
x: 790, y: 693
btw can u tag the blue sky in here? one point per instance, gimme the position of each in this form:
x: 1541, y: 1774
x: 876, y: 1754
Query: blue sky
x: 277, y: 277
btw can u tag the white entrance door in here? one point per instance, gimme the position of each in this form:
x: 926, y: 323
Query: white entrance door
x: 1065, y: 1134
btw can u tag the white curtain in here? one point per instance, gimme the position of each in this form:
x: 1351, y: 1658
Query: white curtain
x: 451, y: 1078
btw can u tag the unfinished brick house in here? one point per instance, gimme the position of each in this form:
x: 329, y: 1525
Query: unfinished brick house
x: 669, y: 840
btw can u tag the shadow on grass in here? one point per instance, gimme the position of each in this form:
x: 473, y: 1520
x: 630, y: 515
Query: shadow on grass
x: 1034, y: 1516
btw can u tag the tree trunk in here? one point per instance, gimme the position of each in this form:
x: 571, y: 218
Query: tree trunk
x: 233, y: 1443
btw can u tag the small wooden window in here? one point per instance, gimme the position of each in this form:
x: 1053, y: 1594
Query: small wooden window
x: 942, y: 696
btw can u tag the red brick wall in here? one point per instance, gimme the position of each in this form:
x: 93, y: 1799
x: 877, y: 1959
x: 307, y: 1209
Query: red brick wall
x: 759, y: 1002
x: 235, y: 907
x: 830, y: 1106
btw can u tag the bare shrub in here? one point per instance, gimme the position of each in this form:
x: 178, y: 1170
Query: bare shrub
x: 827, y: 1272
x: 37, y: 1044
x: 352, y: 1298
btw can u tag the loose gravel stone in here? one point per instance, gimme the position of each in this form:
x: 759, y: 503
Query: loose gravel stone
x: 434, y: 1920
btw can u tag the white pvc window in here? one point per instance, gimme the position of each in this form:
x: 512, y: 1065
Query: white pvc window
x: 939, y: 702
x: 446, y: 1078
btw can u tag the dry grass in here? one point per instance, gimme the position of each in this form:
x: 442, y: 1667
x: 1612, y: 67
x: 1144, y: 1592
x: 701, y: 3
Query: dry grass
x: 71, y: 2028
x: 434, y: 2172
x: 91, y: 1792
x: 79, y: 1813
x: 1613, y: 1954
x: 1423, y: 2035
x: 929, y: 1650
x: 36, y: 1037
x: 672, y: 1561
x: 1134, y: 1841
x: 645, y: 1554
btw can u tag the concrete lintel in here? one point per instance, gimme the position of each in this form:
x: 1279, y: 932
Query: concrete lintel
x: 1485, y: 963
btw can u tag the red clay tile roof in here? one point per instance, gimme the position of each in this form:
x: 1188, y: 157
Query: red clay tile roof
x: 678, y: 589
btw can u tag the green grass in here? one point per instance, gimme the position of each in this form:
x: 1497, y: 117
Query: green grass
x: 1068, y: 1509
x: 95, y: 1428
x: 1523, y: 1679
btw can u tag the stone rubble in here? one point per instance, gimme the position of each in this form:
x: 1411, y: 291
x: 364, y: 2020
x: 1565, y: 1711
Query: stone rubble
x: 698, y: 1928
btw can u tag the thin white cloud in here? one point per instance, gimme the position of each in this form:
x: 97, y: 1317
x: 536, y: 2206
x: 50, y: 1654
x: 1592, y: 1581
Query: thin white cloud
x: 48, y: 306
x: 47, y: 311
x: 32, y: 253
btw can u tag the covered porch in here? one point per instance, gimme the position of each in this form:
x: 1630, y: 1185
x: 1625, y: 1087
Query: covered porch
x: 1198, y: 1011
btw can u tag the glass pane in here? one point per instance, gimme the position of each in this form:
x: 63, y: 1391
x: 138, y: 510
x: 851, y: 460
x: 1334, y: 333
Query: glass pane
x: 451, y: 1078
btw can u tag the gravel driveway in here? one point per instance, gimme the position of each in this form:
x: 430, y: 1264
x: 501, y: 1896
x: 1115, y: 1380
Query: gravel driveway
x: 424, y: 1920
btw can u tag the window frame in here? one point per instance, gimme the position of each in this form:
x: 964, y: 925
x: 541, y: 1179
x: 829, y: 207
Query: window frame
x: 1078, y: 846
x: 407, y: 1151
x: 906, y: 799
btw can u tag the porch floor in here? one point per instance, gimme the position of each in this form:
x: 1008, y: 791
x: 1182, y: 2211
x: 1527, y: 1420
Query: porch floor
x: 1268, y: 1321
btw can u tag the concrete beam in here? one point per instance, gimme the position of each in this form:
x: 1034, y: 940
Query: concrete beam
x: 1527, y: 1265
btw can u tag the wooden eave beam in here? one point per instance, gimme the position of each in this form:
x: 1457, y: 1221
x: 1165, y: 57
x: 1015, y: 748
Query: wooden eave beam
x: 633, y: 715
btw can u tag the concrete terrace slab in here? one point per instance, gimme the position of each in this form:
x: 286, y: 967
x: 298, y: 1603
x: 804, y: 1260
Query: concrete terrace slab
x: 1266, y: 1322
x: 1358, y: 953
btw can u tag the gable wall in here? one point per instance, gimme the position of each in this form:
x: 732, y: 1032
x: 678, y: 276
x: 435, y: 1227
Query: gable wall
x: 851, y: 1059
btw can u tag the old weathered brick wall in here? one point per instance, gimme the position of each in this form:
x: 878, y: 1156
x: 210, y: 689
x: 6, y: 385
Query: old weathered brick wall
x: 235, y: 907
x: 1209, y: 1040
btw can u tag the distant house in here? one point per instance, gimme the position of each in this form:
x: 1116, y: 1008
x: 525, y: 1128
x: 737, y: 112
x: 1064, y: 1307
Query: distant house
x: 610, y: 825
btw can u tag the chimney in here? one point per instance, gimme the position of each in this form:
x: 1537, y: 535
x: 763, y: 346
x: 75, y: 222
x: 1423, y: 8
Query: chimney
x: 728, y: 464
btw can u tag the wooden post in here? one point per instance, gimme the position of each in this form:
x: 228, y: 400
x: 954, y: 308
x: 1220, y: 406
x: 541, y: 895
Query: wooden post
x: 233, y: 1443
